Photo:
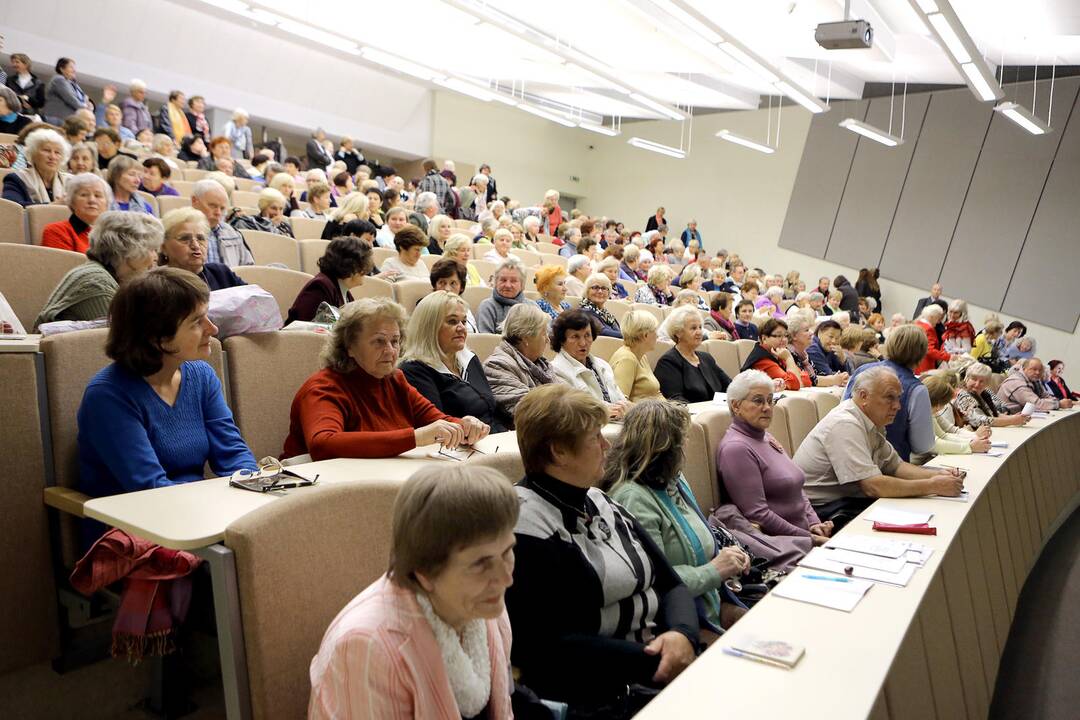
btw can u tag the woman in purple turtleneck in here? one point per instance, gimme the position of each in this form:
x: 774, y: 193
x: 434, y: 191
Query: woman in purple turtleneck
x: 757, y: 475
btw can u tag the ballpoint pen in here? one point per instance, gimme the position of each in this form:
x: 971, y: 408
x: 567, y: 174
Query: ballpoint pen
x: 825, y: 577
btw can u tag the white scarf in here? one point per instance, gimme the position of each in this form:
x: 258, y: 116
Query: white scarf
x: 35, y: 185
x: 468, y: 664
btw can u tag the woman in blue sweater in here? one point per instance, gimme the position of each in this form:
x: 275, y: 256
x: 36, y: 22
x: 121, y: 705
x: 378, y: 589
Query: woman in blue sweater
x: 156, y: 416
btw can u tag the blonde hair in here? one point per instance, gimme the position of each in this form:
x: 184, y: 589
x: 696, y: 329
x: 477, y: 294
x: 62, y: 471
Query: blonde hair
x: 524, y: 320
x: 270, y: 196
x: 592, y: 280
x: 423, y: 334
x: 677, y: 320
x: 455, y: 242
x: 686, y: 297
x: 636, y: 324
x: 554, y: 414
x: 282, y: 178
x: 181, y: 216
x: 906, y: 345
x: 435, y: 224
x: 691, y: 273
x: 354, y: 204
x: 938, y: 388
x: 659, y: 274
x: 354, y: 315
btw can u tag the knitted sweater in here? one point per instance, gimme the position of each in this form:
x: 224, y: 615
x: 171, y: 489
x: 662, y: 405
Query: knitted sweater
x: 492, y: 312
x: 83, y: 294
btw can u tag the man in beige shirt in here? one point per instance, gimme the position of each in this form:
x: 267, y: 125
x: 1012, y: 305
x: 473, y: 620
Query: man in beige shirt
x: 848, y: 462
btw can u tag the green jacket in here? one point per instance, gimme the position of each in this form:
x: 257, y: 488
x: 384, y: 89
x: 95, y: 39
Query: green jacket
x: 83, y: 294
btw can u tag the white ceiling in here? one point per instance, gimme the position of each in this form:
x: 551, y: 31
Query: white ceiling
x: 651, y: 52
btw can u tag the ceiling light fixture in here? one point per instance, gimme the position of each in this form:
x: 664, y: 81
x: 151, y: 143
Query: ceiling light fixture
x: 871, y: 132
x: 984, y: 88
x: 601, y: 129
x: 745, y: 142
x: 809, y: 102
x: 959, y: 47
x: 547, y: 115
x: 320, y: 36
x: 658, y: 107
x: 948, y: 35
x: 1023, y: 117
x: 395, y: 63
x: 657, y: 147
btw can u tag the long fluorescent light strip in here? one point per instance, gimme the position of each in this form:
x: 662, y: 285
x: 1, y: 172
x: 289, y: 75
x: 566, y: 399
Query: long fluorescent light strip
x: 540, y: 112
x: 745, y: 60
x: 980, y: 84
x: 949, y: 36
x: 811, y: 104
x: 1023, y: 117
x: 870, y: 132
x: 395, y: 63
x: 690, y: 21
x: 656, y: 147
x: 601, y: 129
x: 653, y: 105
x: 745, y: 142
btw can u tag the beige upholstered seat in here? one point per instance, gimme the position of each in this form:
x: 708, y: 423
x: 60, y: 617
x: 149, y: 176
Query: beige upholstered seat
x: 476, y: 295
x: 487, y: 269
x: 482, y: 344
x: 246, y: 184
x: 28, y: 275
x: 825, y: 402
x: 662, y: 346
x: 605, y: 347
x: 801, y: 417
x: 779, y: 429
x: 699, y: 477
x: 269, y: 248
x: 293, y: 580
x: 194, y: 174
x: 547, y: 248
x: 38, y: 216
x: 574, y: 302
x: 630, y: 286
x: 265, y: 371
x: 283, y: 284
x: 528, y: 258
x: 653, y: 310
x: 380, y: 255
x: 12, y: 223
x: 184, y: 187
x: 168, y: 203
x: 618, y: 308
x: 245, y: 198
x: 307, y: 228
x: 373, y: 287
x: 310, y: 252
x: 726, y: 355
x: 553, y: 259
x: 714, y: 423
x: 409, y: 292
x: 744, y: 348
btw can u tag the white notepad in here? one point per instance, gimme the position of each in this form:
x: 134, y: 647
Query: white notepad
x: 820, y: 559
x: 843, y: 595
x: 896, y: 516
x: 870, y: 545
x: 851, y: 557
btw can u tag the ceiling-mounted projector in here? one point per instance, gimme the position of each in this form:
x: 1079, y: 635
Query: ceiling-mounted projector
x: 845, y: 35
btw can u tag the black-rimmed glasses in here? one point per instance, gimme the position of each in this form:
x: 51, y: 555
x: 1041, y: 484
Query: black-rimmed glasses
x: 269, y: 476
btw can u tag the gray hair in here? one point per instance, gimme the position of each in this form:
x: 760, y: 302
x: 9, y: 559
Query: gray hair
x: 137, y: 84
x: 207, y: 186
x: 75, y: 183
x: 575, y: 263
x: 159, y: 141
x: 530, y: 220
x: 10, y: 99
x: 426, y: 200
x: 816, y: 296
x: 512, y: 263
x: 871, y: 377
x: 676, y: 321
x: 775, y: 292
x: 524, y: 320
x: 796, y: 324
x: 42, y: 136
x: 978, y: 370
x: 119, y: 236
x: 480, y: 179
x: 931, y: 310
x: 744, y: 382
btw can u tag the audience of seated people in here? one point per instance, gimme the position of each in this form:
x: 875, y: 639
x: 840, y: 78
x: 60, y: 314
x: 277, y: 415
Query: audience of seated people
x: 1024, y: 385
x: 187, y: 237
x: 948, y: 441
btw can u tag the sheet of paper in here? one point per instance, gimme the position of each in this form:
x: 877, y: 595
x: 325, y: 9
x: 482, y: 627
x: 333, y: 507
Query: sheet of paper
x: 992, y: 453
x: 896, y: 516
x: 999, y: 444
x: 853, y: 558
x: 827, y: 593
x: 720, y: 398
x: 962, y: 497
x: 918, y: 554
x: 1028, y: 409
x: 820, y: 559
x: 870, y: 545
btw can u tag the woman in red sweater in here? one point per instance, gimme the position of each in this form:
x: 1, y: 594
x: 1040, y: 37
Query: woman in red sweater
x: 360, y: 405
x: 88, y: 196
x: 931, y: 315
x: 772, y: 357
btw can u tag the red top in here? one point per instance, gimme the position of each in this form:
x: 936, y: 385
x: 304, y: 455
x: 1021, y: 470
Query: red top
x: 934, y: 354
x: 354, y: 415
x: 771, y: 366
x: 64, y: 236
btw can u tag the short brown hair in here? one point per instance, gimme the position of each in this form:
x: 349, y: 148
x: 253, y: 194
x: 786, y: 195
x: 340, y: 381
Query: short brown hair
x: 770, y: 325
x: 853, y: 337
x: 447, y: 268
x: 554, y: 414
x: 161, y: 165
x: 441, y: 510
x: 136, y: 335
x: 409, y: 236
x: 938, y: 388
x: 906, y: 345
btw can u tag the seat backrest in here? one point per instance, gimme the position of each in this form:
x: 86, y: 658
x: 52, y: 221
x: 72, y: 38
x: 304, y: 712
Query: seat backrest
x: 714, y: 424
x: 801, y: 417
x: 247, y: 184
x: 12, y: 222
x: 744, y: 348
x: 476, y: 295
x: 168, y: 203
x: 464, y: 224
x: 528, y: 258
x: 38, y: 216
x: 662, y: 346
x: 307, y: 228
x: 780, y: 430
x: 726, y: 355
x: 547, y: 248
x: 28, y: 275
x: 283, y: 284
x: 373, y: 287
x: 409, y: 292
x: 654, y: 310
x: 696, y: 468
x: 265, y: 371
x: 553, y: 259
x: 618, y: 308
x: 184, y: 187
x: 379, y: 255
x: 575, y: 302
x: 194, y: 174
x: 245, y: 198
x: 151, y: 201
x: 269, y: 248
x: 483, y: 344
x: 310, y: 253
x: 487, y: 269
x: 290, y: 590
x: 825, y: 402
x: 604, y: 347
x: 630, y: 286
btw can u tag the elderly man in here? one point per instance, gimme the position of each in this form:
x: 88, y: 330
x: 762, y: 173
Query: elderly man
x: 509, y: 282
x: 136, y: 114
x: 427, y: 207
x: 1024, y: 384
x: 571, y: 238
x: 226, y: 243
x: 848, y: 462
x: 435, y: 183
x: 349, y: 154
x: 935, y: 295
x: 474, y: 198
x: 492, y: 192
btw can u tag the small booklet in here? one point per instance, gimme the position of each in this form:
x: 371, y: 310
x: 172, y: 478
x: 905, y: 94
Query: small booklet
x: 767, y: 650
x: 838, y: 593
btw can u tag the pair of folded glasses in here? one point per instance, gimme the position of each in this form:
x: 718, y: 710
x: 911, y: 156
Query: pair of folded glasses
x: 461, y: 453
x: 271, y: 475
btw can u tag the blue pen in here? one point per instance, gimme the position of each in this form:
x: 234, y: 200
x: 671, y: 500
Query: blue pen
x: 826, y: 577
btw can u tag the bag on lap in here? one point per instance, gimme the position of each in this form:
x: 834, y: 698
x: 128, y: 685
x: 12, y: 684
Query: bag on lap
x: 781, y: 551
x: 243, y: 310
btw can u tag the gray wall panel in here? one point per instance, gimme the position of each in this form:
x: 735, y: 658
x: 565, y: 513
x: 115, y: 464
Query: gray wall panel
x: 941, y: 169
x: 874, y: 185
x: 1046, y: 286
x: 1001, y: 202
x: 819, y: 184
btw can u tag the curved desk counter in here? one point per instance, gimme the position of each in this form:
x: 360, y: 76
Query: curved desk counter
x: 928, y: 650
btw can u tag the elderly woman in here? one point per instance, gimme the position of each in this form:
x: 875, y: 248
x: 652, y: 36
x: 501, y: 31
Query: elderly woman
x: 271, y: 218
x: 449, y: 275
x: 319, y: 203
x: 1056, y: 382
x: 28, y: 89
x: 597, y: 292
x: 644, y: 474
x: 860, y: 346
x: 459, y: 247
x: 500, y: 251
x: 931, y: 315
x: 221, y: 158
x: 980, y: 407
x: 517, y: 364
x: 83, y: 159
x: 624, y: 617
x: 359, y: 405
x: 451, y: 561
x: 685, y: 373
x: 409, y: 242
x: 764, y: 485
x: 122, y: 246
x: 578, y: 269
x: 630, y: 364
x: 437, y: 363
x: 87, y: 196
x: 657, y: 290
x: 802, y: 300
x: 693, y: 278
x: 610, y: 266
x: 1022, y: 348
x: 772, y: 357
x: 957, y: 442
x: 11, y: 121
x: 156, y: 173
x: 824, y: 351
x: 187, y: 239
x: 509, y: 284
x: 769, y: 303
x: 720, y: 324
x: 285, y: 184
x: 238, y: 133
x: 124, y: 177
x: 551, y: 284
x: 440, y: 228
x: 572, y: 336
x: 984, y: 349
x: 531, y: 225
x: 345, y: 263
x: 192, y: 148
x: 42, y: 181
x: 959, y: 335
x: 63, y: 94
x: 157, y: 415
x: 397, y: 218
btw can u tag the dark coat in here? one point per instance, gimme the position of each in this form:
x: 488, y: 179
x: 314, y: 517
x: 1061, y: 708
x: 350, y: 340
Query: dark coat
x: 319, y: 289
x: 679, y: 380
x: 454, y: 396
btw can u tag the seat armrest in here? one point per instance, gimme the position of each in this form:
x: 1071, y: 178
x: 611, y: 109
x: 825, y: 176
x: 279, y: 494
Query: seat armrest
x: 66, y: 500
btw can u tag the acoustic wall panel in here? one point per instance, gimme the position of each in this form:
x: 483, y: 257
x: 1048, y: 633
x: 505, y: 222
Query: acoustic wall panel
x: 1046, y: 284
x: 999, y: 208
x: 874, y: 185
x: 819, y: 184
x: 937, y: 181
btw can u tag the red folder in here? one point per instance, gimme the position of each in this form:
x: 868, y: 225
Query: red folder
x: 916, y: 529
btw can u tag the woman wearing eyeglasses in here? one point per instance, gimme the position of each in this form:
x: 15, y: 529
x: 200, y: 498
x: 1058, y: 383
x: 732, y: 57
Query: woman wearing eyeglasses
x: 763, y: 483
x: 185, y: 247
x: 772, y: 357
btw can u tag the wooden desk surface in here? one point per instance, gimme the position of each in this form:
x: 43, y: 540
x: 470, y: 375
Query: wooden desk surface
x: 29, y: 344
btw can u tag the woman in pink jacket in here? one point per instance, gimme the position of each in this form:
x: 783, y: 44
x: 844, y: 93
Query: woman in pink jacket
x: 430, y: 639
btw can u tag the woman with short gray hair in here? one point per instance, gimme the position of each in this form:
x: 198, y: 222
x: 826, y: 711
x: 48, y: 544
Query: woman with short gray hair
x: 517, y: 364
x: 88, y: 196
x: 122, y: 246
x: 10, y: 120
x: 578, y: 269
x: 124, y: 177
x: 42, y: 180
x: 978, y: 406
